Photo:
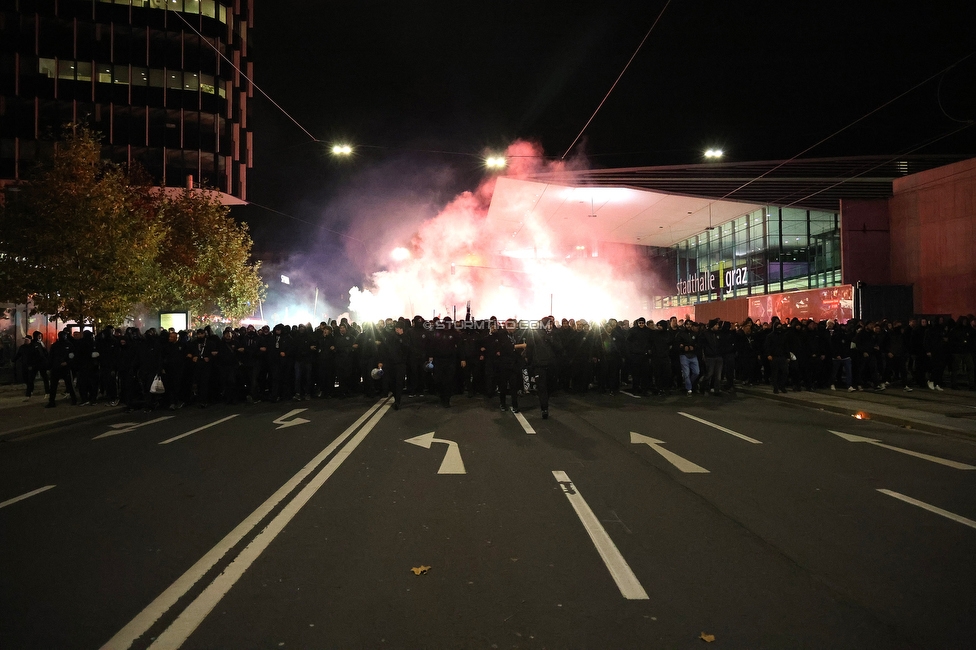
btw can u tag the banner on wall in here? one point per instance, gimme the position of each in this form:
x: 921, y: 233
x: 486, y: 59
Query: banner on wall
x: 819, y: 304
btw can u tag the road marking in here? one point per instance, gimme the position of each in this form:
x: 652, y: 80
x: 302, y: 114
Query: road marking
x: 630, y: 394
x: 126, y: 427
x: 157, y: 608
x: 938, y: 511
x: 292, y: 423
x: 25, y: 496
x: 452, y: 463
x: 721, y: 428
x: 630, y: 587
x: 850, y: 437
x: 685, y: 466
x: 525, y: 424
x: 206, y: 426
x: 176, y: 634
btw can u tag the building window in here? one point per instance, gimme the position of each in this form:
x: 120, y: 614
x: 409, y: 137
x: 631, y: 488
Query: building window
x: 208, y: 8
x: 47, y: 67
x: 174, y: 80
x: 121, y: 75
x: 104, y: 73
x: 84, y: 71
x: 191, y: 81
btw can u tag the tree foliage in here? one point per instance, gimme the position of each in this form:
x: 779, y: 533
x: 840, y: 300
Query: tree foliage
x: 90, y: 241
x: 205, y: 260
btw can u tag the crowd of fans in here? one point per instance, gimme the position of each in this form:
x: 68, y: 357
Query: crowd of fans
x: 491, y: 357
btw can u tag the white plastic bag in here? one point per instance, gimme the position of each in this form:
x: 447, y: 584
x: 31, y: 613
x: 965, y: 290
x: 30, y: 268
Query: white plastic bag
x: 157, y: 388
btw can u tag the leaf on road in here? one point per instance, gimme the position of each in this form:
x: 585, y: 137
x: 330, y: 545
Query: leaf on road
x: 707, y: 638
x: 419, y: 570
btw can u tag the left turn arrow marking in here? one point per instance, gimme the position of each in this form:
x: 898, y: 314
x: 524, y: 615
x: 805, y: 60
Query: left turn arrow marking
x: 452, y: 463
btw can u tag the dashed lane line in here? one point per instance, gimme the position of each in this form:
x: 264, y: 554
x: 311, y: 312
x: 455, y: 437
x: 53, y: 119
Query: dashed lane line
x: 206, y: 426
x: 9, y: 502
x: 939, y: 511
x: 721, y: 428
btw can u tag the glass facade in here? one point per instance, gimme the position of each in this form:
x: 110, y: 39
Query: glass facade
x: 770, y: 250
x: 145, y: 73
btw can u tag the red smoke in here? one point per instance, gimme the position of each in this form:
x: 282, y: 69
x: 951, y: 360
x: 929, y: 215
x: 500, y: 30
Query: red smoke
x: 502, y: 274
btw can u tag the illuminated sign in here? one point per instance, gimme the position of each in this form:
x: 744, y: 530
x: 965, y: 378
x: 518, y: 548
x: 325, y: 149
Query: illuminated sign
x: 713, y: 281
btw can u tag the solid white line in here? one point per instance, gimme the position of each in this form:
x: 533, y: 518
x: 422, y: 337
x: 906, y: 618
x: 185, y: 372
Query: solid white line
x: 206, y: 426
x: 148, y: 616
x: 132, y: 427
x: 630, y: 587
x: 25, y: 496
x: 630, y: 394
x: 938, y: 511
x: 176, y: 634
x: 721, y: 428
x: 525, y: 424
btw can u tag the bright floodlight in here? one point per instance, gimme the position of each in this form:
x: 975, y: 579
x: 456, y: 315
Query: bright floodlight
x: 341, y: 149
x: 399, y: 254
x: 713, y: 153
x: 495, y: 162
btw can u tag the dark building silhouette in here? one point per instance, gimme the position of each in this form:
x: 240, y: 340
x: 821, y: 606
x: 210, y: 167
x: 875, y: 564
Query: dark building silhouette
x: 145, y: 73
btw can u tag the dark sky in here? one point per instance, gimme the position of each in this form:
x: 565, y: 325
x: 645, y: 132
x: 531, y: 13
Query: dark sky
x: 763, y: 80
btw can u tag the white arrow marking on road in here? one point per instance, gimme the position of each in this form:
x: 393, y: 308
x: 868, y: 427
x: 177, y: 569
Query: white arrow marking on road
x: 850, y: 437
x: 291, y: 423
x: 25, y: 496
x: 452, y: 463
x: 721, y: 428
x: 525, y: 424
x: 206, y: 426
x: 628, y: 584
x: 126, y: 427
x: 938, y: 511
x: 685, y: 466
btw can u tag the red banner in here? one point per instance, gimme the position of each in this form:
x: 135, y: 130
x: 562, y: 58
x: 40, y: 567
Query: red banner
x: 819, y: 304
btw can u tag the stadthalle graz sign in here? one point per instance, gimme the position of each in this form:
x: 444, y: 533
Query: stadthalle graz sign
x: 712, y: 281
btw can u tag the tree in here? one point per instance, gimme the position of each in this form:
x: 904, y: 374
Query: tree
x: 205, y: 260
x: 79, y: 238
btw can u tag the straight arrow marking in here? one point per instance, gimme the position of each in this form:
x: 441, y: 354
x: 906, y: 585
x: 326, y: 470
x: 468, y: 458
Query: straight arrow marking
x: 25, y: 496
x: 206, y: 426
x: 291, y: 423
x: 721, y: 428
x: 684, y: 465
x: 131, y: 427
x: 628, y: 584
x: 930, y: 508
x: 849, y: 437
x: 452, y: 463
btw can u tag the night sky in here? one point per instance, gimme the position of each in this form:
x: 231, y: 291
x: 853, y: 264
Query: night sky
x: 401, y: 80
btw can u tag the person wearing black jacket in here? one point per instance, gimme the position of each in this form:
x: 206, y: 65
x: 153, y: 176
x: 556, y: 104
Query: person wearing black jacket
x: 172, y: 365
x: 687, y: 343
x: 660, y: 351
x: 747, y: 353
x: 59, y: 362
x: 227, y: 362
x: 107, y: 349
x: 638, y: 350
x: 201, y: 353
x: 508, y: 359
x: 33, y: 356
x: 712, y: 343
x: 542, y: 350
x: 443, y: 354
x: 86, y: 367
x: 778, y: 354
x: 396, y: 352
x: 150, y: 366
x: 324, y: 343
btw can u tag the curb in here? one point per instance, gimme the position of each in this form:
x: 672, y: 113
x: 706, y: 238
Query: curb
x: 54, y: 424
x: 905, y: 423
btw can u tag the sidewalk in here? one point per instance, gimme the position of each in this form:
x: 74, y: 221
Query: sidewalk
x: 18, y: 418
x: 951, y: 411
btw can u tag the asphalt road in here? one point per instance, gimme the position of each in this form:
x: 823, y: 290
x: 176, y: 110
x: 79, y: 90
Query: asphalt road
x: 249, y: 533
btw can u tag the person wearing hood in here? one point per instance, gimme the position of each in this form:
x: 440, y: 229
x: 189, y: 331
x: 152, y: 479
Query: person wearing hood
x: 227, y: 366
x: 150, y: 366
x: 346, y: 368
x: 687, y: 342
x: 444, y: 355
x: 777, y: 352
x: 508, y: 356
x: 417, y: 341
x: 324, y: 341
x: 107, y: 349
x: 202, y: 354
x: 59, y: 361
x: 86, y: 364
x: 396, y: 353
x: 277, y: 352
x: 542, y: 350
x: 713, y: 340
x: 33, y: 356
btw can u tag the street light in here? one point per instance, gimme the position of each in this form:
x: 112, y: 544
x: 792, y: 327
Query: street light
x: 495, y: 162
x: 341, y: 149
x: 714, y: 153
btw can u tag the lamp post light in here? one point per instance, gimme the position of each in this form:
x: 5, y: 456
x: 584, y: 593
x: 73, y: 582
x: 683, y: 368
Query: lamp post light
x: 495, y: 162
x: 341, y: 149
x: 714, y: 154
